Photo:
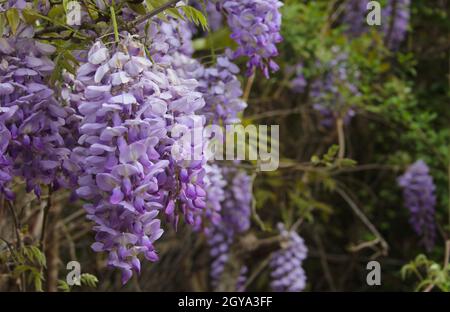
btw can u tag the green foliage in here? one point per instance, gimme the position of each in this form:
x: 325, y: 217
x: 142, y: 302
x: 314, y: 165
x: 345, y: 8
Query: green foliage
x: 86, y: 279
x: 429, y: 273
x: 29, y: 263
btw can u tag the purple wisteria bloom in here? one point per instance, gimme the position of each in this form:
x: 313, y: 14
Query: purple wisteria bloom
x: 235, y: 219
x: 419, y: 197
x: 298, y: 84
x: 42, y: 6
x: 215, y: 18
x: 286, y: 264
x: 215, y: 195
x: 397, y: 12
x: 255, y: 26
x: 354, y: 17
x: 165, y: 38
x: 31, y: 118
x: 222, y: 92
x: 331, y: 91
x: 219, y: 85
x: 129, y: 107
x: 395, y: 17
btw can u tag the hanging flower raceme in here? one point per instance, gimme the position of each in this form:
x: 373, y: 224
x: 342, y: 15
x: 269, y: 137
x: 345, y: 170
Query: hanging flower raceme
x: 235, y: 219
x: 42, y: 6
x: 419, y: 198
x: 298, y: 84
x: 222, y: 91
x: 286, y: 264
x: 165, y: 38
x: 214, y: 187
x: 129, y: 106
x: 255, y: 26
x: 215, y: 18
x: 397, y: 12
x: 354, y: 17
x: 219, y: 85
x: 333, y: 91
x: 31, y: 118
x: 395, y: 17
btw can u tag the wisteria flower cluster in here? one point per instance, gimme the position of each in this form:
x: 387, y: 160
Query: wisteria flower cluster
x: 219, y: 85
x: 395, y: 17
x: 419, y: 197
x: 286, y: 264
x: 235, y: 219
x: 128, y: 106
x: 255, y: 26
x: 31, y: 117
x: 166, y: 38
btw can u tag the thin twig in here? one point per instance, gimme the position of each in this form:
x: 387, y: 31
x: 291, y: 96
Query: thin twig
x: 341, y: 137
x: 248, y: 87
x: 363, y: 218
x: 156, y: 11
x: 324, y: 262
x: 44, y: 220
x: 16, y: 224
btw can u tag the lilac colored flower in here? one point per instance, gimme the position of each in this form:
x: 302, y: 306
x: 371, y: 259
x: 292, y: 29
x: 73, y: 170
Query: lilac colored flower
x: 222, y: 92
x: 31, y: 118
x: 215, y: 18
x: 129, y: 107
x: 236, y: 209
x: 215, y: 195
x: 395, y: 17
x: 299, y: 83
x: 255, y: 26
x: 330, y: 91
x: 220, y: 240
x: 42, y: 6
x: 355, y: 17
x: 235, y: 219
x: 286, y: 264
x: 419, y: 197
x: 213, y: 15
x: 166, y: 38
x: 242, y: 279
x: 219, y: 85
x: 398, y: 14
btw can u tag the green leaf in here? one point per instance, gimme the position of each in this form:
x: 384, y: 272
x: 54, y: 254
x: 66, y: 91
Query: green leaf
x: 13, y: 19
x: 21, y: 269
x: 63, y: 286
x: 114, y: 21
x: 195, y: 16
x: 138, y: 8
x: 37, y: 278
x: 89, y: 280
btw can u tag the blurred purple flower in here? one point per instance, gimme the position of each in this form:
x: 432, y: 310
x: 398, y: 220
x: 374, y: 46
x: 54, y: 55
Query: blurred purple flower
x: 286, y: 264
x: 419, y: 197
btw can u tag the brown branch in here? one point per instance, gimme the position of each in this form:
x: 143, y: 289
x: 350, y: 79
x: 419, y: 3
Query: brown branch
x: 341, y: 137
x: 324, y: 262
x: 44, y: 220
x: 363, y: 218
x: 248, y: 87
